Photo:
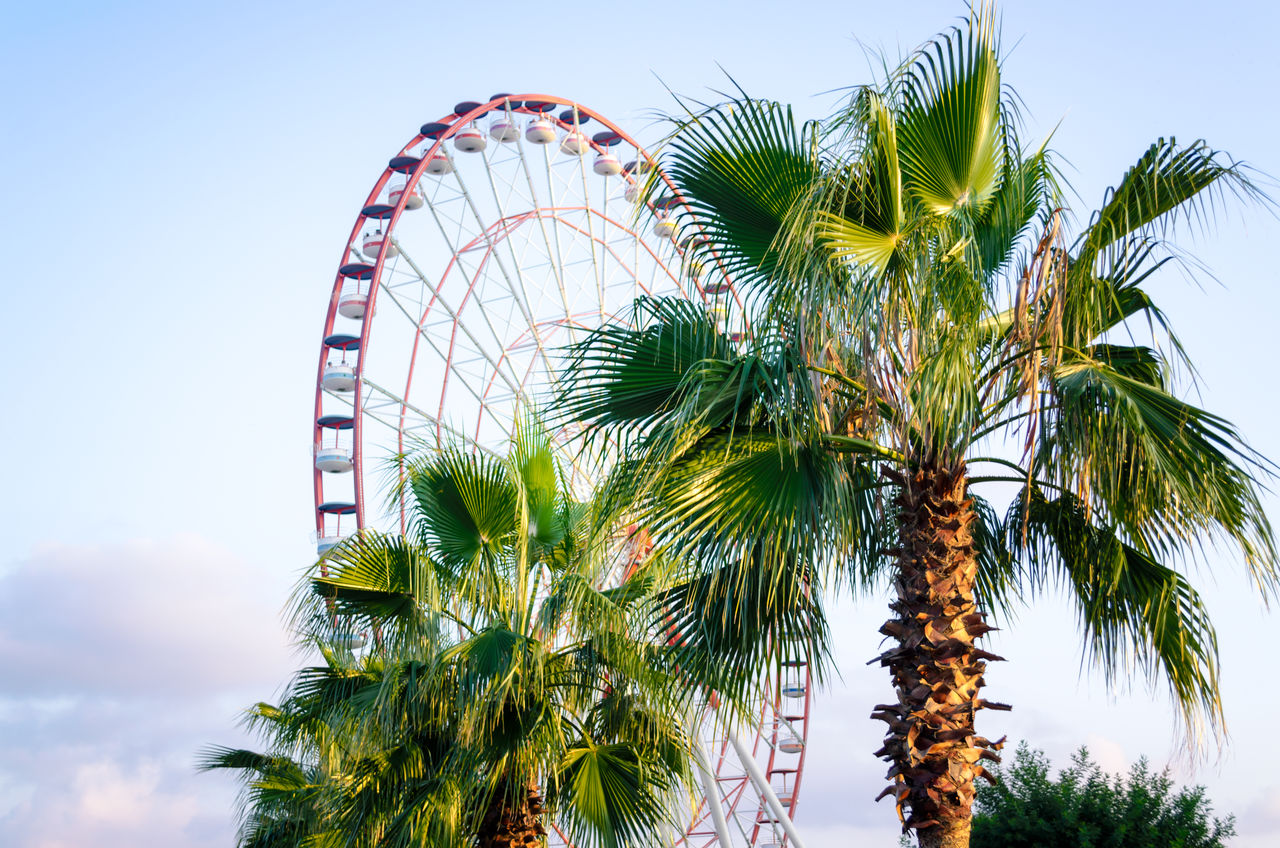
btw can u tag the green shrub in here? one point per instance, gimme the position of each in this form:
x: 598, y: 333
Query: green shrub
x: 1086, y: 808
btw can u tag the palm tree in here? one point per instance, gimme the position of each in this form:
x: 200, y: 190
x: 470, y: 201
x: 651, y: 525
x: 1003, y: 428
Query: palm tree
x: 924, y: 330
x: 506, y: 690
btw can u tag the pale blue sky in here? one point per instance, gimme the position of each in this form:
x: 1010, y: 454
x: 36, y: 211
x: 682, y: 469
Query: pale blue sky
x: 178, y: 182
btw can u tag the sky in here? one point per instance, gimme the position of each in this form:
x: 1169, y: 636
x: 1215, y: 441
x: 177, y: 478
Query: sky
x: 180, y: 180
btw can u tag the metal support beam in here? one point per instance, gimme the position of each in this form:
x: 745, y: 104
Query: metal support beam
x: 766, y: 790
x: 711, y: 791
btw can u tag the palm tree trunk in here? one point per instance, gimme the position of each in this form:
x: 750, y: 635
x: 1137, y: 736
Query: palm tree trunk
x: 513, y: 819
x: 936, y: 668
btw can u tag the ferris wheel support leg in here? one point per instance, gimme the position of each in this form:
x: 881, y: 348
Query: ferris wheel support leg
x: 711, y: 791
x: 766, y: 791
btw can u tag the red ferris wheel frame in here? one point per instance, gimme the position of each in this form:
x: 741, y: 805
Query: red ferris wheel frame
x: 758, y: 820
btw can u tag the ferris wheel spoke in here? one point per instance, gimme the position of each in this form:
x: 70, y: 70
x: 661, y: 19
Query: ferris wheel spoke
x: 533, y: 193
x: 486, y: 234
x: 437, y: 297
x: 459, y: 263
x: 398, y: 401
x: 555, y: 251
x: 591, y: 239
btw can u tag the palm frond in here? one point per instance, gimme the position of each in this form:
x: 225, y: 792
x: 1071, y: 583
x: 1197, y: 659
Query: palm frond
x: 624, y: 377
x: 466, y: 506
x: 1166, y: 472
x: 997, y: 585
x: 1132, y: 609
x: 951, y: 136
x: 1021, y: 195
x: 535, y: 468
x: 861, y: 216
x: 727, y: 627
x: 610, y: 794
x: 723, y: 491
x: 371, y: 581
x: 1167, y: 184
x: 741, y: 167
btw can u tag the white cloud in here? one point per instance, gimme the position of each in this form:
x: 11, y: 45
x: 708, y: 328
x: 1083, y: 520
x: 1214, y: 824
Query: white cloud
x: 121, y: 663
x: 104, y: 793
x: 1259, y: 824
x: 113, y: 804
x: 143, y: 618
x: 841, y: 836
x: 1107, y: 753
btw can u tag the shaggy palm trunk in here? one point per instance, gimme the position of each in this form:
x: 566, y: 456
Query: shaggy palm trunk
x: 937, y: 669
x: 513, y: 820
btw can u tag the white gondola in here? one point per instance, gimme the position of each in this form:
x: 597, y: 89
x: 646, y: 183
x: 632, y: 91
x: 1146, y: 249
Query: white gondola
x: 470, y: 139
x: 353, y: 305
x: 326, y: 543
x: 790, y: 744
x: 575, y: 143
x: 607, y: 165
x: 665, y: 228
x: 339, y: 377
x: 439, y: 164
x: 540, y: 131
x: 503, y: 128
x: 372, y: 245
x: 631, y: 192
x: 336, y: 459
x: 720, y: 313
x: 694, y: 271
x: 349, y: 641
x: 794, y: 690
x: 396, y: 190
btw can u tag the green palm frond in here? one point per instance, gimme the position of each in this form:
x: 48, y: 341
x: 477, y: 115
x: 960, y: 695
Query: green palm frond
x: 951, y: 136
x: 1015, y: 205
x: 624, y: 377
x: 1100, y: 298
x: 862, y: 217
x: 998, y: 585
x: 535, y: 469
x: 1168, y: 182
x: 466, y: 506
x: 610, y: 793
x: 742, y: 167
x: 1131, y: 608
x: 622, y: 717
x: 220, y: 757
x: 576, y: 604
x: 320, y: 697
x: 728, y: 627
x: 369, y: 580
x: 1165, y: 471
x: 1122, y: 272
x: 720, y: 493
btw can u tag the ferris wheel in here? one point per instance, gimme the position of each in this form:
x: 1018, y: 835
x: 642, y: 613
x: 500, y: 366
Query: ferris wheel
x: 495, y: 237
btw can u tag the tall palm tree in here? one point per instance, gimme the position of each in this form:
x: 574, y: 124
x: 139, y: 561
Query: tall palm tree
x: 924, y: 331
x: 506, y: 690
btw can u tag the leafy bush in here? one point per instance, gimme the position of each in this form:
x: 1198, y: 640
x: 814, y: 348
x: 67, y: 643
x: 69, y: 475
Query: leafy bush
x: 1086, y: 808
